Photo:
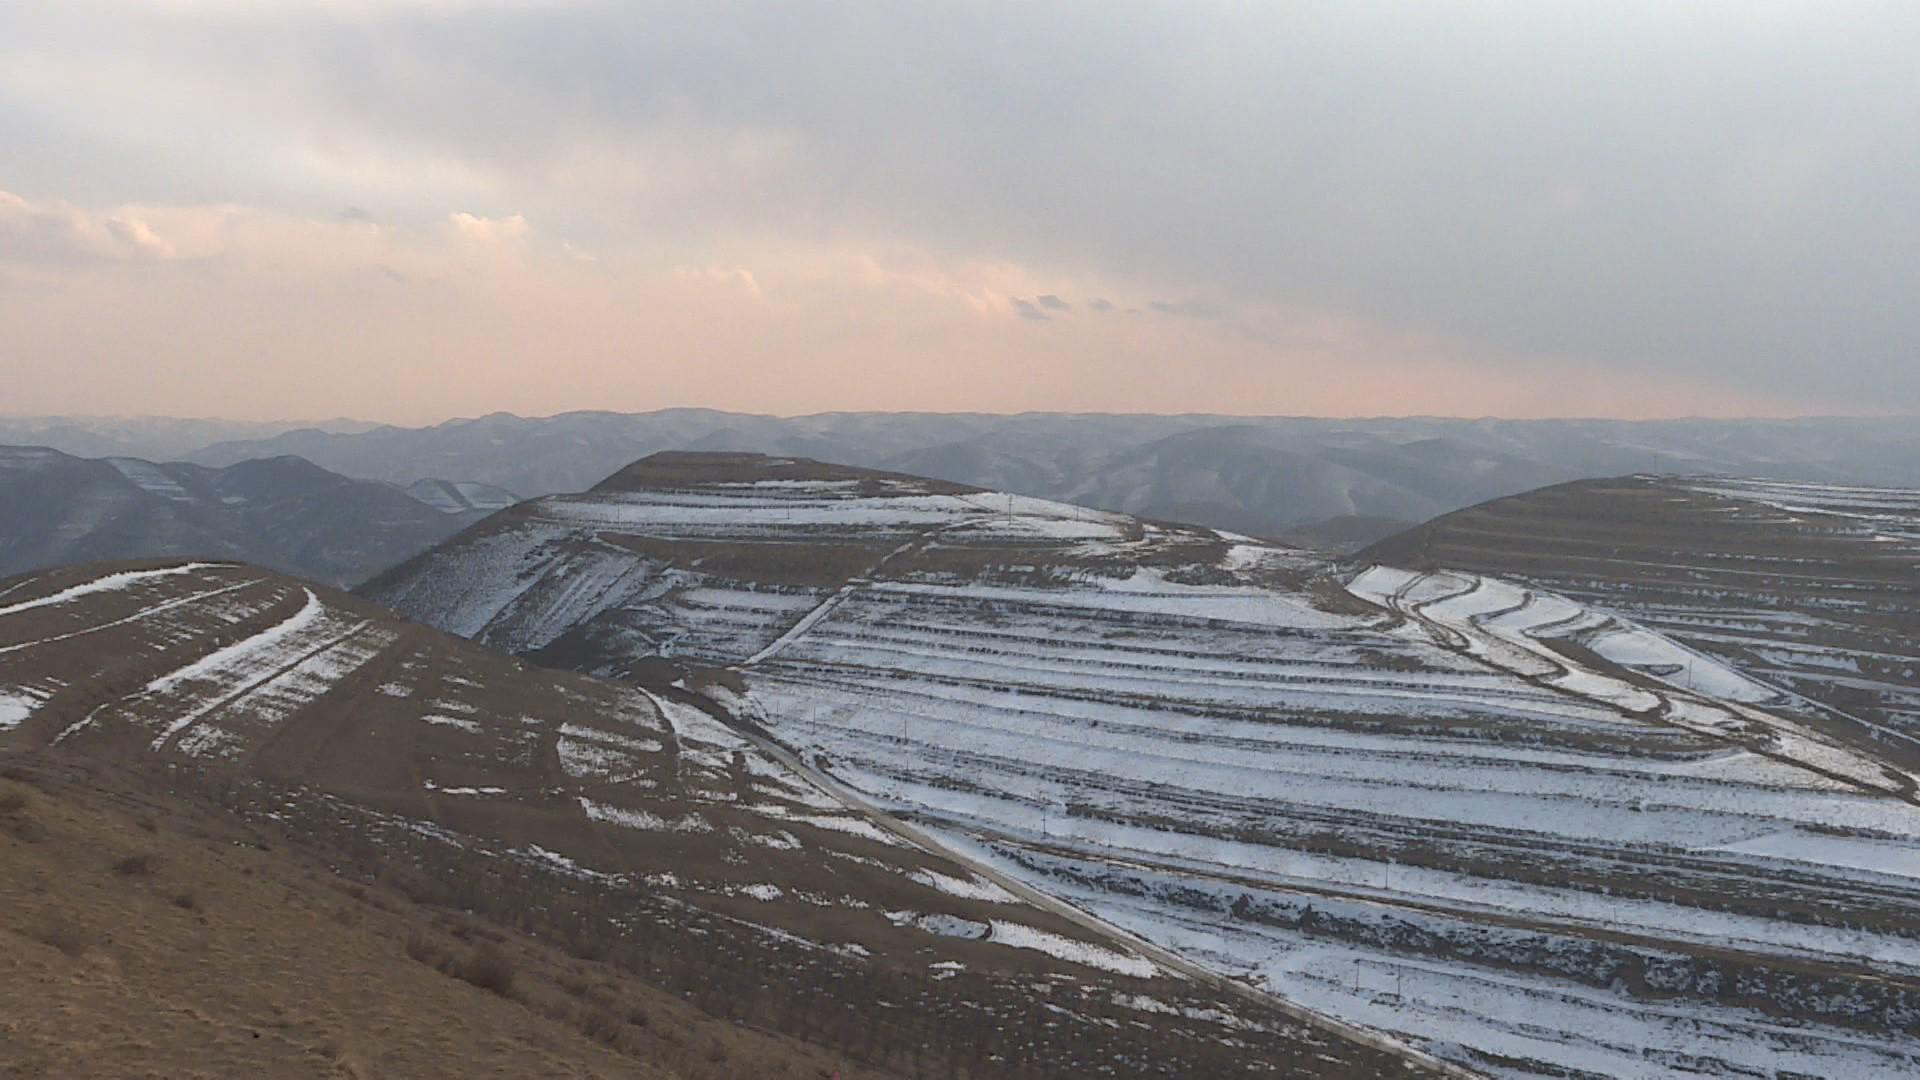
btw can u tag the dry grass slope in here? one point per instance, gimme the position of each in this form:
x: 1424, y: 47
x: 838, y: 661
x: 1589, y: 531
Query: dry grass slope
x: 148, y: 936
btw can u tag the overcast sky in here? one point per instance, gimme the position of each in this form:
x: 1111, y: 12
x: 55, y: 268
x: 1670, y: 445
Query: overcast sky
x: 413, y: 209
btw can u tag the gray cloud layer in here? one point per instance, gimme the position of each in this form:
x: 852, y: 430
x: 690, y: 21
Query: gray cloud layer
x: 1715, y: 189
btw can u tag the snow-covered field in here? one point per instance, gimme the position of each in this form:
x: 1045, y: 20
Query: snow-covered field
x: 1501, y: 823
x: 1307, y: 807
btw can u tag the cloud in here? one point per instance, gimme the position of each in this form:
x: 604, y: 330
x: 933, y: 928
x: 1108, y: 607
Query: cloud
x: 1100, y: 305
x: 1186, y: 309
x: 489, y: 230
x: 1738, y: 210
x: 1052, y: 302
x: 737, y: 276
x: 407, y: 325
x: 57, y: 232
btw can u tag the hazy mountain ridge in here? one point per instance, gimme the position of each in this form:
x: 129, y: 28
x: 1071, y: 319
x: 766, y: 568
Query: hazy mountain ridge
x: 1263, y: 476
x: 284, y: 513
x: 153, y: 438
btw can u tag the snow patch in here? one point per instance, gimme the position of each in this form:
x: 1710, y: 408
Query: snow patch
x: 106, y: 583
x: 1086, y: 954
x: 967, y: 888
x: 15, y: 706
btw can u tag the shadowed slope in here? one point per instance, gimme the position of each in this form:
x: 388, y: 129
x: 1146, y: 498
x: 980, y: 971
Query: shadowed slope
x: 284, y: 513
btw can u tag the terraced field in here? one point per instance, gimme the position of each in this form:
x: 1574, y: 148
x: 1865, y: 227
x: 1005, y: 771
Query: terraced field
x: 1410, y: 806
x: 1810, y: 591
x: 625, y: 821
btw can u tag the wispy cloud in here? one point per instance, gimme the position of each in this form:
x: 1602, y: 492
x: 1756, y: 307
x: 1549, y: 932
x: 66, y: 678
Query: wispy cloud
x: 1186, y: 309
x: 59, y: 232
x: 489, y: 230
x: 736, y: 276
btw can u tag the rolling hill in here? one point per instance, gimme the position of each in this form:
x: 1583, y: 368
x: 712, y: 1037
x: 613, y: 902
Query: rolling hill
x: 602, y: 833
x: 1393, y: 797
x: 1809, y: 591
x: 284, y: 513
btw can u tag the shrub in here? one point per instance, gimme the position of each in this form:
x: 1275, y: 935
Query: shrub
x: 65, y: 936
x: 602, y: 1026
x: 12, y: 801
x: 424, y: 949
x: 140, y: 865
x: 490, y: 969
x: 26, y: 830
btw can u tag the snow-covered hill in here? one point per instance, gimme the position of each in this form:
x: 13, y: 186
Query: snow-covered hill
x: 1523, y: 857
x: 1810, y: 590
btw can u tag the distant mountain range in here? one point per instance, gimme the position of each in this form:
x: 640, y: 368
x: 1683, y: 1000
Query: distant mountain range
x: 282, y: 512
x: 1330, y: 483
x: 154, y: 438
x: 1346, y: 481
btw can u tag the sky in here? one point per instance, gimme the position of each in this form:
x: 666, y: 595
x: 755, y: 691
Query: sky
x: 407, y: 210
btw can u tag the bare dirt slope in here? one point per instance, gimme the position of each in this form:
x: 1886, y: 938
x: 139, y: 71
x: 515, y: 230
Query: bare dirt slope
x: 146, y: 936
